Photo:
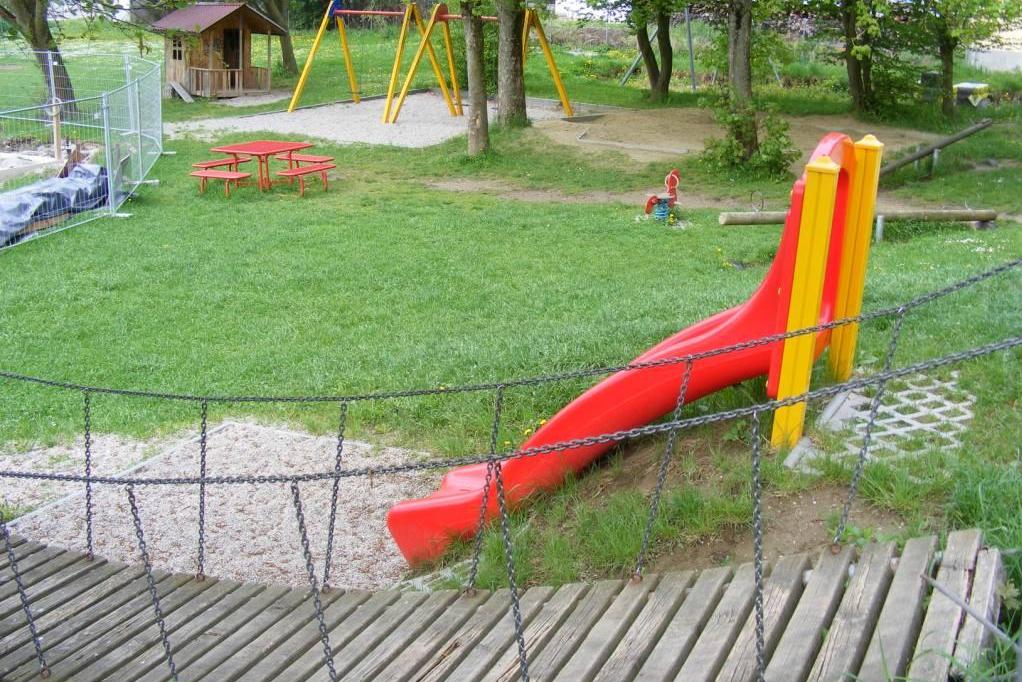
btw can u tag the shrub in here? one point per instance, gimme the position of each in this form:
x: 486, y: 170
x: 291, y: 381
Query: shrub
x: 776, y: 151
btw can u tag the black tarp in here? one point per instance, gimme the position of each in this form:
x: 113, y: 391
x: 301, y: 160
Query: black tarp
x: 84, y: 189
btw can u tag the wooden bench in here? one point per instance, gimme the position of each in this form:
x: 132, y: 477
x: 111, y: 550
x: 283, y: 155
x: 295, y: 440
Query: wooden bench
x: 227, y: 176
x: 232, y: 162
x: 301, y: 171
x: 294, y: 160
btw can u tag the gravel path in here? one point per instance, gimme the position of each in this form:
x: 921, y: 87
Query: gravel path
x: 424, y: 121
x: 251, y: 532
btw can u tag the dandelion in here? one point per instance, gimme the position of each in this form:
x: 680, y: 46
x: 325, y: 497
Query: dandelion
x: 528, y: 432
x: 542, y: 422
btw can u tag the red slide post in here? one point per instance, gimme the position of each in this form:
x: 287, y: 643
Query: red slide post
x: 424, y: 528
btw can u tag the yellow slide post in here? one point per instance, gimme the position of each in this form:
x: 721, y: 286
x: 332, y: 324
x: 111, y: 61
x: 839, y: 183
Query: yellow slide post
x: 854, y: 254
x: 806, y: 294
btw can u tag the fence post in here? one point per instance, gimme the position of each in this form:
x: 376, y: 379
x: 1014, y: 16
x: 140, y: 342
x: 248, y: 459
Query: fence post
x: 134, y: 120
x: 109, y: 155
x: 855, y: 254
x: 806, y: 294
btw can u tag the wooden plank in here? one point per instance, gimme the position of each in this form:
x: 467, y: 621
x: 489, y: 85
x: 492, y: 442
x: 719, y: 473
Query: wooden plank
x: 88, y: 626
x: 60, y: 623
x: 43, y: 587
x: 418, y: 655
x: 22, y: 549
x: 108, y: 666
x: 374, y: 661
x: 539, y: 630
x: 90, y: 648
x: 34, y: 568
x: 240, y: 641
x: 781, y: 592
x: 300, y: 614
x: 181, y: 92
x: 42, y: 608
x: 461, y: 643
x: 566, y: 639
x: 797, y: 649
x: 647, y: 629
x: 681, y: 634
x: 856, y: 617
x: 247, y: 604
x: 608, y: 632
x: 486, y: 651
x: 34, y: 555
x: 202, y: 620
x: 714, y: 643
x: 932, y: 657
x: 898, y: 626
x: 983, y: 598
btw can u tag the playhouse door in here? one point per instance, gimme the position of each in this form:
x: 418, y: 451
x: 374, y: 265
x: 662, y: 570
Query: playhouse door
x: 232, y: 48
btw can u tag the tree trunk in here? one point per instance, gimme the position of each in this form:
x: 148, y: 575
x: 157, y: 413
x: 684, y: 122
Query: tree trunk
x: 739, y: 60
x: 852, y: 64
x: 648, y: 57
x: 663, y: 38
x: 946, y: 45
x: 277, y: 11
x: 510, y: 76
x: 478, y: 123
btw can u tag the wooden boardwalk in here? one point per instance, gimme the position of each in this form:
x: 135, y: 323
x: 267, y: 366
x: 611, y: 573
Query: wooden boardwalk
x: 866, y: 613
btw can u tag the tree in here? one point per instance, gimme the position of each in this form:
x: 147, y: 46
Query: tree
x: 277, y: 10
x: 739, y: 65
x: 478, y: 120
x: 955, y: 23
x: 510, y: 69
x: 31, y: 19
x: 657, y: 73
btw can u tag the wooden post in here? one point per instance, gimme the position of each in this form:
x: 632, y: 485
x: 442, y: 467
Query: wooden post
x: 269, y: 62
x: 58, y: 154
x: 209, y: 68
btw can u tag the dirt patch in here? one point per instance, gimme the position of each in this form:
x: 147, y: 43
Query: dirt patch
x: 663, y: 134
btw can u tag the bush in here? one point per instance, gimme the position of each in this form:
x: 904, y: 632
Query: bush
x: 776, y: 151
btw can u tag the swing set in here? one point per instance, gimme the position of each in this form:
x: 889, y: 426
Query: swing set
x: 438, y: 17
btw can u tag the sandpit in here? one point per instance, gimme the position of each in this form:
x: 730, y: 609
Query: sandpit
x: 251, y: 530
x: 424, y: 121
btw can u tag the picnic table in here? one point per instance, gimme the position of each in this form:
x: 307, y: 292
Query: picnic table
x: 261, y: 150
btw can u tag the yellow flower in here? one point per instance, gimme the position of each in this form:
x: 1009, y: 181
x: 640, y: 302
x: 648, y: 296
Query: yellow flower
x: 542, y: 422
x: 528, y: 431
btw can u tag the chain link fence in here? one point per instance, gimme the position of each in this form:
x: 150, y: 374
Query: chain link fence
x: 79, y: 133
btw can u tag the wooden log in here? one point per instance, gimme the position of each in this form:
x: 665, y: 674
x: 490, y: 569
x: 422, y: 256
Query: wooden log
x: 928, y: 215
x: 929, y: 149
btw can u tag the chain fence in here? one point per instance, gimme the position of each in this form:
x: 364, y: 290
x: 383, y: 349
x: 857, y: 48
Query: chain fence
x: 494, y: 487
x: 79, y: 133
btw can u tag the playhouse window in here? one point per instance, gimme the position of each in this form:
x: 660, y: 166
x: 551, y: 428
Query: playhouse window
x: 177, y: 50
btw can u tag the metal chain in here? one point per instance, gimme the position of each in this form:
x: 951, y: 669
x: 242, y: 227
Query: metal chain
x: 200, y: 573
x: 661, y: 479
x: 757, y: 546
x: 867, y: 436
x: 12, y: 562
x: 338, y: 461
x: 560, y: 446
x: 473, y: 573
x: 516, y: 607
x: 87, y: 407
x: 154, y: 597
x: 534, y: 380
x: 328, y: 655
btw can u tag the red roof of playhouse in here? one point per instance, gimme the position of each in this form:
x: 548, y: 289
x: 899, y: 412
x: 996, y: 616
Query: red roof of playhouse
x: 202, y: 15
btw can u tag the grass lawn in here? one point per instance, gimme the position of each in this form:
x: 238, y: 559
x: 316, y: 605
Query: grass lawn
x: 386, y: 283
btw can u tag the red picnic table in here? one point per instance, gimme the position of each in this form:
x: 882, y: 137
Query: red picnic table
x: 262, y: 150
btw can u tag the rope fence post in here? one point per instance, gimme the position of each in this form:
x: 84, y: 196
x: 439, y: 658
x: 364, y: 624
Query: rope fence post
x: 516, y: 607
x: 200, y: 573
x: 87, y: 409
x: 498, y: 408
x: 654, y: 505
x: 757, y: 546
x: 12, y: 562
x: 324, y: 637
x: 338, y: 461
x: 867, y: 437
x: 153, y: 596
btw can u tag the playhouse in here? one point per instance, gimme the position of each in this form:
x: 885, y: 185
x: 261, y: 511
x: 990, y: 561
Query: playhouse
x: 208, y: 49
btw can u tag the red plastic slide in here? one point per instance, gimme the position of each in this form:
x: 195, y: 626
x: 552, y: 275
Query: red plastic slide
x: 424, y: 528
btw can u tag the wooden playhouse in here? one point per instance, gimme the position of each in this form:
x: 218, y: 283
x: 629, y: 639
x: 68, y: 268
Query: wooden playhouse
x: 208, y: 50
